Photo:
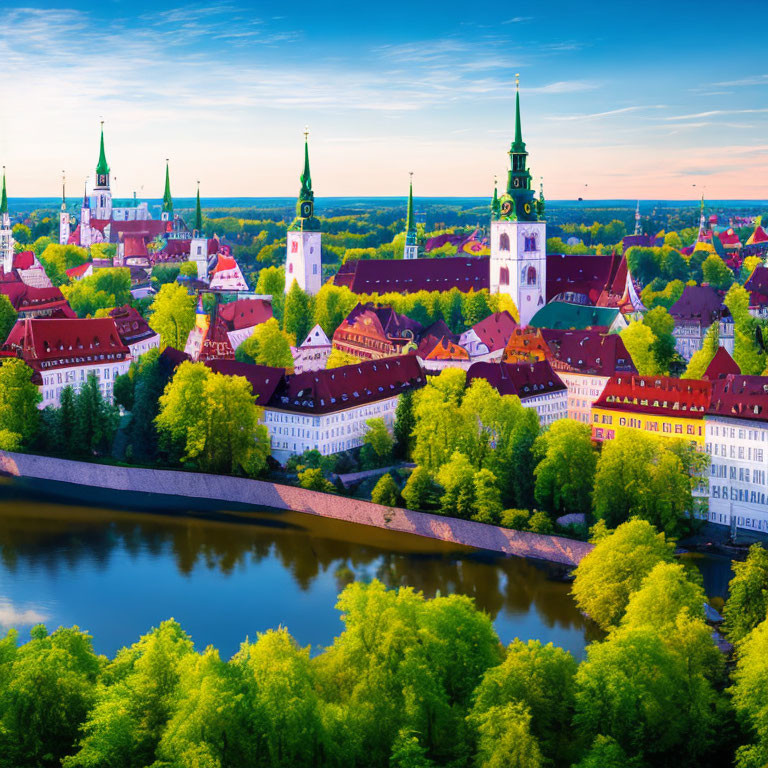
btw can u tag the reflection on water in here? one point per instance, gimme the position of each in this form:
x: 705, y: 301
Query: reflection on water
x: 228, y: 573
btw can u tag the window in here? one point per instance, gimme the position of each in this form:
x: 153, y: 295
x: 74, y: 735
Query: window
x: 504, y: 242
x: 530, y: 242
x: 531, y: 277
x: 290, y: 268
x: 314, y: 269
x: 294, y: 246
x: 504, y: 275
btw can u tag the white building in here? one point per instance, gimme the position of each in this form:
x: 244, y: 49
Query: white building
x: 6, y: 233
x: 313, y: 353
x: 736, y: 428
x: 326, y: 410
x: 65, y: 352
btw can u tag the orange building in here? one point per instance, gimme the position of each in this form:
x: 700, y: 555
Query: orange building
x: 526, y: 345
x: 667, y: 407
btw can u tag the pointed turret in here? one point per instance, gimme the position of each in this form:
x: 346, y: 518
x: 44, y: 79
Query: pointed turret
x: 102, y: 196
x: 3, y: 198
x: 167, y: 199
x: 518, y: 145
x: 518, y: 202
x: 86, y: 199
x: 541, y: 202
x: 305, y: 205
x: 306, y: 177
x: 102, y: 168
x: 64, y: 223
x: 638, y: 227
x: 495, y: 205
x: 198, y: 212
x: 63, y: 191
x: 411, y: 250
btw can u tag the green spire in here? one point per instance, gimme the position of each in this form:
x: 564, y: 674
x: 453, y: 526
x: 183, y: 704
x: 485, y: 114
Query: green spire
x: 518, y: 145
x: 102, y: 169
x: 3, y: 197
x: 167, y: 199
x: 519, y: 194
x: 198, y: 212
x: 495, y: 205
x: 410, y: 221
x: 305, y: 205
x: 306, y: 177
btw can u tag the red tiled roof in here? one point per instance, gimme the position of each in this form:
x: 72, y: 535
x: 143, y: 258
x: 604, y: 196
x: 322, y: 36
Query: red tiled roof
x: 337, y: 389
x: 494, y: 331
x: 588, y: 352
x: 660, y: 395
x: 146, y: 228
x: 224, y: 263
x: 245, y: 313
x: 263, y: 379
x: 757, y: 285
x: 135, y: 246
x: 411, y: 275
x: 729, y: 238
x: 721, y: 365
x: 442, y: 349
x: 587, y: 275
x: 698, y: 303
x: 45, y: 344
x: 26, y: 298
x: 216, y: 344
x: 176, y: 247
x: 74, y: 272
x: 740, y: 397
x: 131, y: 326
x: 521, y: 379
x: 24, y: 260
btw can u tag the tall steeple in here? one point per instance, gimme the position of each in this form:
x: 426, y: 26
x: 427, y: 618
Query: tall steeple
x: 63, y: 213
x: 102, y: 167
x: 101, y: 192
x: 638, y: 227
x: 3, y: 198
x: 518, y: 202
x: 495, y: 205
x: 6, y: 233
x: 411, y: 250
x: 63, y: 191
x: 167, y: 199
x: 305, y: 205
x: 198, y: 212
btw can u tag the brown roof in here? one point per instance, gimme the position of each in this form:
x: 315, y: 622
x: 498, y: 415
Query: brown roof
x: 588, y: 275
x: 26, y: 298
x: 337, y: 389
x: 660, y: 395
x: 697, y: 304
x: 245, y: 313
x: 740, y: 397
x: 494, y: 331
x: 757, y: 285
x: 410, y: 275
x: 443, y: 349
x: 263, y: 379
x: 64, y: 343
x: 521, y: 379
x: 588, y: 352
x: 131, y: 326
x: 721, y: 365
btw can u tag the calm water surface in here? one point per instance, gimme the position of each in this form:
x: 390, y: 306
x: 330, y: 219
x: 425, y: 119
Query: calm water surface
x: 119, y: 564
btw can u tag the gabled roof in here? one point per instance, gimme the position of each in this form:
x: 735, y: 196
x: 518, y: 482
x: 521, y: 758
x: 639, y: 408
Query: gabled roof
x: 148, y: 229
x: 442, y: 349
x: 227, y: 276
x: 316, y: 338
x: 721, y: 365
x: 26, y: 298
x: 758, y: 237
x: 563, y: 315
x: 411, y: 275
x: 740, y: 397
x: 380, y: 321
x: 757, y: 285
x: 660, y: 395
x: 588, y: 352
x: 521, y: 379
x: 131, y: 326
x: 24, y: 260
x: 135, y: 246
x: 176, y: 247
x: 697, y: 303
x: 729, y: 239
x: 526, y: 345
x: 245, y: 313
x: 64, y: 343
x: 76, y: 272
x: 494, y: 331
x: 263, y: 379
x: 588, y: 275
x: 336, y: 389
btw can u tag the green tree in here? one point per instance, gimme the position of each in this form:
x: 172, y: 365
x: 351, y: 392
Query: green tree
x: 49, y: 686
x: 313, y: 480
x: 19, y: 397
x: 747, y: 602
x: 716, y: 272
x: 419, y: 491
x: 750, y: 358
x: 672, y: 239
x: 21, y: 233
x: 541, y: 678
x: 408, y: 753
x: 338, y: 359
x: 540, y: 522
x: 517, y: 519
x: 701, y: 359
x: 173, y: 315
x: 332, y: 304
x: 271, y: 282
x: 267, y: 345
x: 96, y: 420
x: 644, y: 263
x: 456, y: 477
x: 57, y: 259
x: 605, y: 752
x: 378, y: 443
x: 104, y: 289
x: 297, y: 314
x: 404, y: 424
x: 674, y: 266
x: 68, y: 433
x: 9, y: 441
x: 662, y: 324
x: 487, y: 498
x: 616, y: 567
x: 385, y: 491
x: 505, y: 739
x: 640, y: 341
x: 7, y: 317
x: 565, y: 473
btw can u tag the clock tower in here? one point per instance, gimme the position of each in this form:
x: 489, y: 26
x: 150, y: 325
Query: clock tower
x: 6, y: 233
x: 303, y: 258
x: 411, y: 249
x: 518, y: 262
x: 102, y: 195
x: 63, y: 214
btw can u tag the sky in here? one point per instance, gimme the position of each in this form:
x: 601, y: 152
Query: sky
x: 619, y: 99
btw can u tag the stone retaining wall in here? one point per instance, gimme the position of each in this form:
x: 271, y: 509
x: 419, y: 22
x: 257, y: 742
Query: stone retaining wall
x: 553, y: 549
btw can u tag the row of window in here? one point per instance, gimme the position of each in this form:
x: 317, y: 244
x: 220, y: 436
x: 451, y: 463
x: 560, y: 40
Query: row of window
x: 745, y: 495
x: 650, y: 426
x: 745, y: 453
x: 758, y: 435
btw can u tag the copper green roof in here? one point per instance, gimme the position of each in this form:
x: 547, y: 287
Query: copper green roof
x: 198, y: 212
x: 518, y: 145
x: 561, y: 315
x: 3, y: 197
x: 167, y: 199
x: 102, y: 168
x: 306, y: 177
x: 495, y: 205
x: 410, y: 221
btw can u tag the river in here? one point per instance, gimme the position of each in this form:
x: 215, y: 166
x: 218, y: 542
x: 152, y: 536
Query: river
x: 117, y: 564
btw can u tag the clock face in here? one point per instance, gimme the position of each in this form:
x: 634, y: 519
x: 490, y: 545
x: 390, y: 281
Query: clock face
x: 305, y: 211
x: 527, y: 208
x: 506, y: 208
x: 516, y: 181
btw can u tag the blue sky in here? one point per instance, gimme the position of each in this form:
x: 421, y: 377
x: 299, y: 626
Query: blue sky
x: 619, y: 100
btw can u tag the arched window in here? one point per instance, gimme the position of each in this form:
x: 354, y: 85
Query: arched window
x: 530, y: 242
x: 531, y: 279
x: 290, y: 268
x: 503, y: 274
x: 504, y: 242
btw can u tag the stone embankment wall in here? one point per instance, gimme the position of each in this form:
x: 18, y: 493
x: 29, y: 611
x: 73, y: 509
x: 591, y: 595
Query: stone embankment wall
x: 554, y: 549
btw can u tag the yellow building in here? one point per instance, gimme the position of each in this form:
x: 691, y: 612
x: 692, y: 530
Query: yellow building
x: 661, y: 405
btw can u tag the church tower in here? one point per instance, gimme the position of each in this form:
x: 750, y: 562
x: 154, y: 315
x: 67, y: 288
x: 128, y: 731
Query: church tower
x: 303, y: 259
x: 518, y: 262
x: 198, y: 247
x: 6, y: 234
x: 63, y: 214
x: 411, y: 250
x: 638, y: 225
x: 85, y: 218
x: 102, y: 194
x: 167, y: 213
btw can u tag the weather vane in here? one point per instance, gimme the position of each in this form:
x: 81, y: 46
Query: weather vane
x: 517, y: 80
x: 306, y: 132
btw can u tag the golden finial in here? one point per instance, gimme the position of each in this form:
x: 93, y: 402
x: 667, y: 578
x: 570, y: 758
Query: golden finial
x: 517, y: 81
x: 306, y: 132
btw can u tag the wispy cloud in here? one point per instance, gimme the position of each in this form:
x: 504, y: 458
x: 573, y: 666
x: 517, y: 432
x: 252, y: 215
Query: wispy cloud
x: 608, y: 113
x: 717, y: 113
x: 753, y: 80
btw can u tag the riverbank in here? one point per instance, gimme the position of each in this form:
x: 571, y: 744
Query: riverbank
x: 553, y: 549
